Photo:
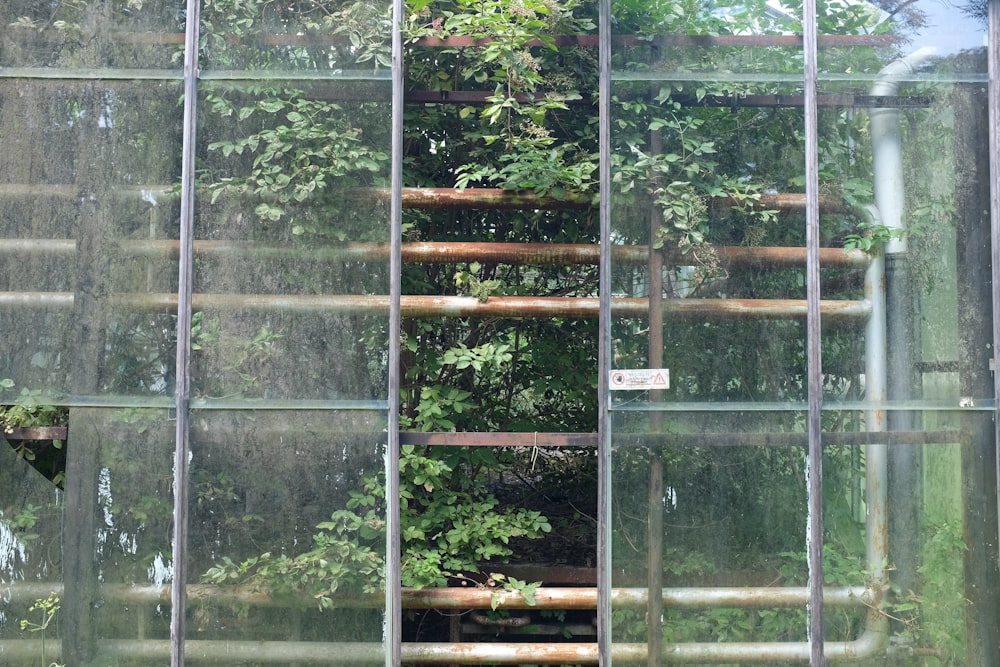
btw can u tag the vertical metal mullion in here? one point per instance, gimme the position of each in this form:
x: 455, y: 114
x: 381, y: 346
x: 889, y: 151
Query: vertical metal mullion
x: 394, y: 611
x: 993, y: 93
x: 655, y: 509
x: 182, y: 390
x: 814, y: 469
x: 604, y: 341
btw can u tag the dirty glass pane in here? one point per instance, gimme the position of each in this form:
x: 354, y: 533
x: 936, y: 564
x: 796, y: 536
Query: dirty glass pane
x: 273, y: 522
x: 707, y: 209
x: 290, y: 335
x: 94, y: 38
x: 85, y: 557
x: 88, y: 229
x: 86, y: 238
x: 903, y: 126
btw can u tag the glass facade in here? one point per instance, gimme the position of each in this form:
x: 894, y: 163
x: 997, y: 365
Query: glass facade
x: 200, y: 241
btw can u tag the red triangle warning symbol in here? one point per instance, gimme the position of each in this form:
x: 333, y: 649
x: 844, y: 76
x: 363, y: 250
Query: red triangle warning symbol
x: 659, y: 380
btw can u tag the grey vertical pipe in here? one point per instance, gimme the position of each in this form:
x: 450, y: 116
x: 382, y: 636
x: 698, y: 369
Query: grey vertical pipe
x: 814, y: 469
x: 887, y: 146
x: 394, y: 609
x: 182, y: 390
x: 875, y: 419
x: 904, y: 479
x: 993, y: 69
x: 604, y: 634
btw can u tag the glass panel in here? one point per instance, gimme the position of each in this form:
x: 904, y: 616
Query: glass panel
x: 923, y: 538
x: 87, y: 37
x: 87, y: 223
x: 87, y: 571
x: 273, y: 509
x: 88, y: 229
x: 708, y: 484
x: 290, y: 333
x: 902, y: 137
x: 909, y: 465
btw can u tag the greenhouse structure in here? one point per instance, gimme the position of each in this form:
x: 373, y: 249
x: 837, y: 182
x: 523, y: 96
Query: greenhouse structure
x: 499, y: 332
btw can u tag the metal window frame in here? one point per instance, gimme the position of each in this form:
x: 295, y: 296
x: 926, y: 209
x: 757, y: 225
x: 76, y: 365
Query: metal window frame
x: 182, y: 391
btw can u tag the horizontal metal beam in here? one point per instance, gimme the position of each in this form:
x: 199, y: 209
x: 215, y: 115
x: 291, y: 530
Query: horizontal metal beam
x: 513, y: 307
x: 588, y: 440
x: 560, y: 254
x: 470, y: 439
x: 588, y: 40
x: 733, y: 102
x: 35, y: 433
x: 489, y: 198
x: 427, y: 653
x: 568, y: 598
x: 790, y: 41
x: 443, y: 198
x: 355, y: 653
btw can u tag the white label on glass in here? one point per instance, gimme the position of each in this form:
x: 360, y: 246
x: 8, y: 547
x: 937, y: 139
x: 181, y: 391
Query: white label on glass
x: 640, y: 378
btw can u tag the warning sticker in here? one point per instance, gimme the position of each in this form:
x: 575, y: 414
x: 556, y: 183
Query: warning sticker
x: 640, y: 378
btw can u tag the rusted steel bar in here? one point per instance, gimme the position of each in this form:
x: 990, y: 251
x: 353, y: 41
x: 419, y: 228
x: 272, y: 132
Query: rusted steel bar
x: 449, y: 252
x: 633, y: 598
x: 567, y: 598
x: 449, y: 198
x: 469, y: 439
x: 35, y: 433
x: 462, y: 306
x: 482, y: 97
x: 737, y: 439
x: 588, y: 440
x: 830, y: 438
x: 427, y: 653
x: 72, y: 191
x: 654, y: 491
x: 502, y: 253
x: 491, y: 198
x: 148, y: 38
x: 741, y: 308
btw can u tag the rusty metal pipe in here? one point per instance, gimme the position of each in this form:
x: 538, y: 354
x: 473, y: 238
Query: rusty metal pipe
x: 428, y: 653
x: 461, y: 306
x: 446, y: 253
x: 453, y: 198
x: 568, y: 598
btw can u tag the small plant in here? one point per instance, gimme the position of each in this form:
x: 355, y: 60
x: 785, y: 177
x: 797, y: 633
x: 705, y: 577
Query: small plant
x: 872, y: 238
x: 47, y: 608
x: 26, y: 411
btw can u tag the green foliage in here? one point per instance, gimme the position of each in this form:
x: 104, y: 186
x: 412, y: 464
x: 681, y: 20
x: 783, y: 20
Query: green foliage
x: 301, y: 149
x: 29, y: 409
x: 872, y: 238
x: 22, y: 522
x: 449, y: 524
x: 240, y: 359
x: 363, y: 30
